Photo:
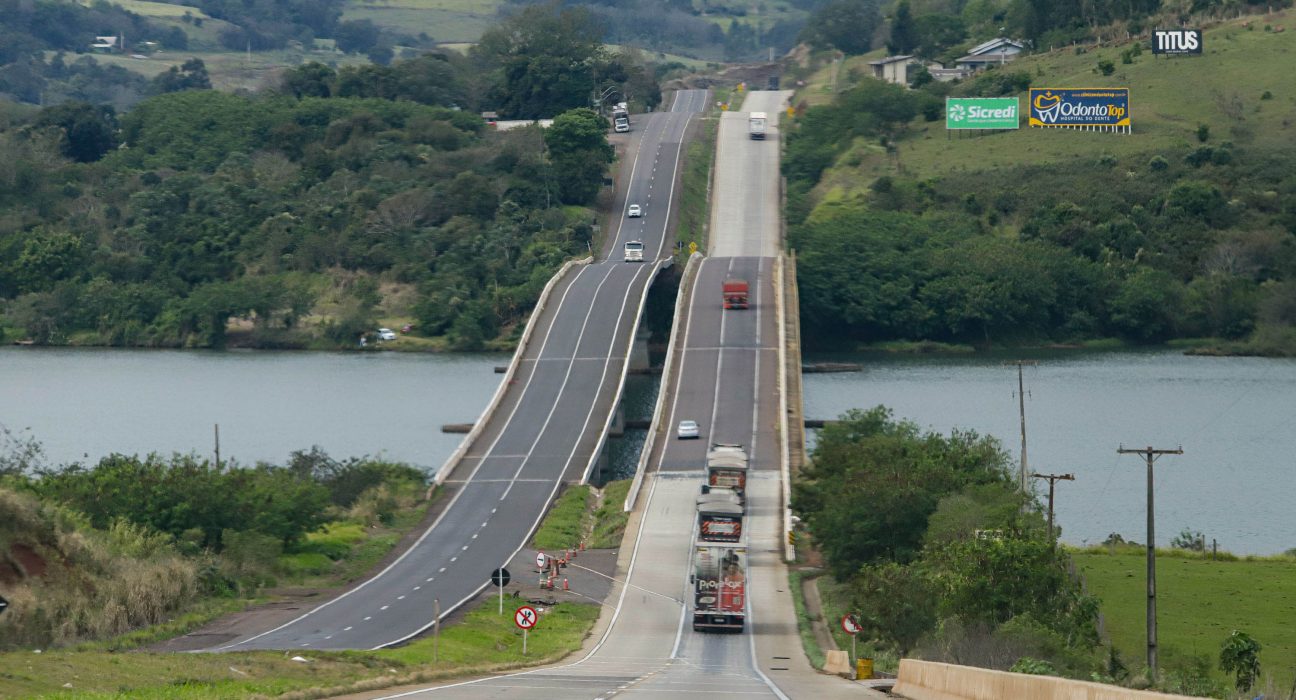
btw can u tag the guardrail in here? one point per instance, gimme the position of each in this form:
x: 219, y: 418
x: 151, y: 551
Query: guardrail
x: 625, y: 369
x: 930, y: 680
x: 478, y: 426
x: 785, y: 466
x: 686, y: 284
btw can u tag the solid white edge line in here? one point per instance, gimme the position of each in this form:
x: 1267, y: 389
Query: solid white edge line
x: 449, y: 507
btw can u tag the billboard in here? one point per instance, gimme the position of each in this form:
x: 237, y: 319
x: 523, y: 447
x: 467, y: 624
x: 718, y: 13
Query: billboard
x: 1106, y: 108
x: 1176, y: 41
x: 981, y: 113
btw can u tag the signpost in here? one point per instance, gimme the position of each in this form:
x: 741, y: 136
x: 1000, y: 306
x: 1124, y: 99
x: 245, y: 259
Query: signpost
x: 500, y: 578
x: 852, y: 627
x: 525, y: 618
x: 540, y: 560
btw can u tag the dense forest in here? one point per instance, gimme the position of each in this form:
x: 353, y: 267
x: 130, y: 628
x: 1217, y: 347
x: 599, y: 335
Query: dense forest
x: 304, y: 216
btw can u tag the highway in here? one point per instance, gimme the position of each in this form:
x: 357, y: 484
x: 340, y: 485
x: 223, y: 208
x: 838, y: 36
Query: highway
x: 544, y: 432
x: 727, y: 381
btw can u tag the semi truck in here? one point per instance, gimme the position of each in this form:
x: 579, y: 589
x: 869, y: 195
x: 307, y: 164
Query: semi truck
x: 756, y: 125
x: 735, y: 293
x: 634, y: 251
x: 621, y: 118
x: 719, y: 582
x: 720, y: 516
x: 726, y: 468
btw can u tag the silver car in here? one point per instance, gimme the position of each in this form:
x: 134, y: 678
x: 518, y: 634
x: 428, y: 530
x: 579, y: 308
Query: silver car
x: 688, y: 430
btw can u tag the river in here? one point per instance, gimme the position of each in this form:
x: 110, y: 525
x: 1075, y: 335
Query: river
x: 1234, y: 417
x: 82, y: 404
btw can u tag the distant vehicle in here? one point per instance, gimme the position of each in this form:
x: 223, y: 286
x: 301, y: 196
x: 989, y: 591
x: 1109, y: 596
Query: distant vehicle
x: 634, y: 251
x: 620, y: 118
x: 386, y: 334
x: 756, y: 125
x: 688, y: 430
x: 726, y: 468
x: 635, y: 211
x: 735, y: 293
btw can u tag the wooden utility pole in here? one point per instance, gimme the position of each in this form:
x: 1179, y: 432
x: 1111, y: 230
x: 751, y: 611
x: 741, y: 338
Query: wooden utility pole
x: 217, y: 426
x: 1052, y: 479
x: 1151, y: 456
x: 1021, y: 407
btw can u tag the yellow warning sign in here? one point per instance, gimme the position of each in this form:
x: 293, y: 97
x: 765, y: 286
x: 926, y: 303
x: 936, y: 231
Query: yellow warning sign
x: 692, y: 248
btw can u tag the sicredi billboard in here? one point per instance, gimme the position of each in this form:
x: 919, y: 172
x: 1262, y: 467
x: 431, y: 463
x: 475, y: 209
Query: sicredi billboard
x: 1076, y: 107
x: 1176, y: 41
x: 981, y: 113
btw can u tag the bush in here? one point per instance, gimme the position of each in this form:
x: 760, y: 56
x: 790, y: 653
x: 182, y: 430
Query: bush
x: 1203, y: 132
x: 1106, y: 67
x: 1158, y: 164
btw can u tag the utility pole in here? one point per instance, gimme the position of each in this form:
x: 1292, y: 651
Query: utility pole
x: 1052, y: 479
x: 1151, y: 456
x: 217, y: 426
x: 1021, y: 408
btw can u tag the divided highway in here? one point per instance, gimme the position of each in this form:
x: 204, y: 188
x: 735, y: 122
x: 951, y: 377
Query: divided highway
x: 545, y: 430
x: 727, y: 381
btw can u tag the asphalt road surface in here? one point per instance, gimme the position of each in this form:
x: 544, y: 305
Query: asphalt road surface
x: 545, y: 430
x: 727, y: 382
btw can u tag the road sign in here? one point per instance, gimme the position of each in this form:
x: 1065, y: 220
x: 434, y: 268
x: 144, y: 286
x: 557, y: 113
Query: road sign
x: 525, y: 617
x: 500, y: 577
x: 849, y: 624
x: 4, y: 604
x: 540, y: 560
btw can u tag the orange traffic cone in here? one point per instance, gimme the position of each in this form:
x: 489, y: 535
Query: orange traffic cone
x: 565, y: 587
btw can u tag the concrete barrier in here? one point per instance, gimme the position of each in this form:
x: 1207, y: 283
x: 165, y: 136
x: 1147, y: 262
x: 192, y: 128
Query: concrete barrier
x: 785, y: 435
x: 837, y: 662
x: 681, y: 300
x: 929, y: 680
x: 444, y: 472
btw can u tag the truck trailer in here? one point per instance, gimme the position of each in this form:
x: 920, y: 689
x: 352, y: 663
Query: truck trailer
x: 719, y: 581
x: 726, y: 468
x: 735, y: 293
x: 756, y: 125
x: 720, y: 516
x: 621, y: 118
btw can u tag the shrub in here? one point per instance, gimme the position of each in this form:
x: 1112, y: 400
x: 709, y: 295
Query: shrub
x: 1158, y: 164
x: 1106, y: 67
x: 1203, y: 132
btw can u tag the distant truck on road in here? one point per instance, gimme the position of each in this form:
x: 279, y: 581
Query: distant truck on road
x: 621, y: 118
x: 735, y: 293
x: 726, y: 468
x: 756, y: 125
x: 634, y: 251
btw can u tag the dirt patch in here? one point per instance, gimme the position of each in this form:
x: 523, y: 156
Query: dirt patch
x: 20, y: 563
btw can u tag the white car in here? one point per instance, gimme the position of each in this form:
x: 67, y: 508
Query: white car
x: 386, y: 334
x: 688, y: 430
x: 634, y: 212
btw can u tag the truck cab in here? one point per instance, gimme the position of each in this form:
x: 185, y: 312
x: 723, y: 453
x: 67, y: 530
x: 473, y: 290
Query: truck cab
x: 735, y: 293
x: 621, y: 118
x: 756, y: 125
x: 634, y: 251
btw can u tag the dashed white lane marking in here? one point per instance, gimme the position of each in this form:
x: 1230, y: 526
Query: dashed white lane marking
x: 494, y: 509
x: 441, y: 570
x: 370, y: 617
x: 384, y: 607
x: 400, y: 597
x: 464, y: 548
x: 347, y: 629
x: 474, y: 537
x: 417, y: 587
x: 483, y: 524
x: 430, y: 578
x: 452, y: 560
x: 329, y: 637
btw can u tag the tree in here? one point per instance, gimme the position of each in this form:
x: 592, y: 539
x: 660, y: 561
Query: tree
x: 580, y: 153
x: 86, y: 131
x: 895, y: 603
x: 1240, y: 656
x: 191, y: 75
x: 845, y: 25
x: 356, y: 35
x: 544, y: 58
x: 904, y: 35
x: 312, y: 79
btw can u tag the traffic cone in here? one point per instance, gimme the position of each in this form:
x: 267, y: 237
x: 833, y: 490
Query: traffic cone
x: 565, y: 587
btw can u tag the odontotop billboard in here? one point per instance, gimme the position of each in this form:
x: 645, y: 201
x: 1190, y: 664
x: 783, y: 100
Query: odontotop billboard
x: 981, y: 113
x: 1079, y: 107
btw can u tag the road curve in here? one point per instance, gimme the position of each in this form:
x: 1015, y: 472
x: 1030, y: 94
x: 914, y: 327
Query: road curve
x: 544, y: 431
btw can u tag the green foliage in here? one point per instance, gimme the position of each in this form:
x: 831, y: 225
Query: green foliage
x: 845, y: 25
x: 580, y: 153
x: 85, y: 132
x: 897, y: 603
x: 1034, y: 667
x: 1188, y: 539
x: 904, y: 35
x: 1106, y: 67
x: 1240, y: 657
x: 191, y: 75
x: 1203, y: 132
x: 565, y: 524
x: 875, y: 482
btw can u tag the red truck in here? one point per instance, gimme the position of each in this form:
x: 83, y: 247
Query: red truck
x: 735, y: 294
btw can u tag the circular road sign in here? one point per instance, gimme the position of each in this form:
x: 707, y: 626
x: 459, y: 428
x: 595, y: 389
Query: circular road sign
x: 525, y: 617
x: 849, y: 624
x: 500, y: 577
x: 540, y: 560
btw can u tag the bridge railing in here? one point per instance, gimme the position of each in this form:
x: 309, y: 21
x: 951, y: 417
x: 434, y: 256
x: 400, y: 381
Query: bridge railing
x: 681, y: 308
x: 444, y: 472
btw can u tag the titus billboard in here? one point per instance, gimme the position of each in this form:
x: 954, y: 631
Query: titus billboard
x: 981, y: 113
x: 1176, y: 41
x: 1080, y: 107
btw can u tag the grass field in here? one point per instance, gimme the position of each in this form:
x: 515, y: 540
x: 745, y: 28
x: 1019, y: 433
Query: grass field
x: 443, y: 20
x: 1199, y: 602
x: 484, y: 642
x: 1224, y: 88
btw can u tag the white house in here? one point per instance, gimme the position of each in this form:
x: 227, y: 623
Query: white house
x: 895, y: 69
x: 995, y: 52
x: 105, y: 43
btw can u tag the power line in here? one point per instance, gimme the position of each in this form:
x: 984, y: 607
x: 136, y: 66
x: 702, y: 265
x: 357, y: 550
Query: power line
x: 1021, y: 405
x: 1053, y: 479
